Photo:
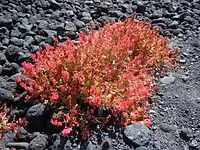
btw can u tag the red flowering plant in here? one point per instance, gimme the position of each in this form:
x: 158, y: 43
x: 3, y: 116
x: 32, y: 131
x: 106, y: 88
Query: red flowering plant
x: 7, y: 122
x: 110, y: 69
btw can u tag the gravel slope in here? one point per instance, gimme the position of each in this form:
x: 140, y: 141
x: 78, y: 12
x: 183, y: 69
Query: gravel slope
x: 25, y: 25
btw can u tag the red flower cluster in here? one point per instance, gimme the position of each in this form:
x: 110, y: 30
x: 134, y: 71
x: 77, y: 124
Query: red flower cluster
x: 7, y: 122
x: 108, y: 69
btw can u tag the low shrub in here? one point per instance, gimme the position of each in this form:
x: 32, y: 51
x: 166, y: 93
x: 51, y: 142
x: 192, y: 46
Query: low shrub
x: 8, y: 122
x: 105, y: 78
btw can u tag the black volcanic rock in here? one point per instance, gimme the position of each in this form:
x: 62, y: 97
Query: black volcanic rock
x: 11, y: 52
x: 6, y: 95
x: 17, y: 41
x: 79, y: 24
x: 15, y: 32
x: 10, y: 69
x: 38, y: 143
x: 54, y: 4
x: 141, y: 7
x: 5, y: 21
x: 2, y: 59
x: 36, y: 112
x: 138, y: 134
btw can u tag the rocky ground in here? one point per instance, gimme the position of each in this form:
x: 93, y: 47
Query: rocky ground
x: 25, y: 25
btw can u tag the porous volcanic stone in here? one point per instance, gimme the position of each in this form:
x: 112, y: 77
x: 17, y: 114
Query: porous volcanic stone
x: 38, y: 143
x: 167, y: 80
x: 6, y: 95
x: 10, y: 69
x: 138, y: 134
x: 18, y: 145
x: 35, y: 112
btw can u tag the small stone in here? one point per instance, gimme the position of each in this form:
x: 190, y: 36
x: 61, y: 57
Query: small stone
x: 139, y: 134
x: 86, y: 19
x: 24, y: 27
x: 79, y: 24
x: 43, y: 24
x: 21, y: 97
x: 141, y: 7
x: 177, y: 32
x: 38, y: 39
x: 28, y: 33
x: 198, y: 102
x: 27, y: 2
x: 35, y: 112
x: 90, y: 146
x: 50, y: 40
x: 28, y: 41
x: 69, y: 26
x: 2, y: 48
x: 54, y: 4
x: 182, y: 61
x: 5, y: 41
x: 57, y: 16
x: 166, y: 13
x: 97, y: 1
x: 195, y: 43
x: 2, y: 59
x: 5, y: 21
x: 157, y: 14
x: 18, y: 145
x: 17, y: 41
x: 176, y: 17
x: 105, y: 145
x: 173, y: 25
x: 167, y: 80
x: 193, y: 60
x: 176, y: 96
x: 38, y: 143
x: 11, y: 52
x: 86, y: 14
x: 69, y: 13
x: 185, y: 134
x: 23, y: 135
x: 47, y: 33
x: 57, y: 144
x: 193, y: 144
x: 186, y: 54
x: 189, y: 19
x: 115, y: 13
x: 89, y: 2
x: 34, y: 48
x: 6, y: 95
x: 10, y: 69
x: 161, y: 25
x: 60, y: 28
x: 188, y: 32
x: 15, y: 32
x: 4, y: 30
x: 157, y: 144
x: 127, y: 8
x: 23, y: 57
x: 103, y: 8
x: 152, y: 112
x: 184, y: 78
x: 166, y: 127
x: 141, y: 148
x: 68, y: 146
x: 9, y: 85
x: 1, y: 69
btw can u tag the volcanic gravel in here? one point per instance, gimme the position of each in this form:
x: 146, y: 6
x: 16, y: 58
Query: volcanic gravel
x: 26, y: 25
